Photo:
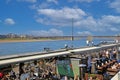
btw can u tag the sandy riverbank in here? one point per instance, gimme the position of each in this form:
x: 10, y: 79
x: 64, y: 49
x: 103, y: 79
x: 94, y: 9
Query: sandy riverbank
x: 31, y: 40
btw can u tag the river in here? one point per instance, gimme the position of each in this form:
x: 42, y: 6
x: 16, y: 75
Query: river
x: 25, y: 47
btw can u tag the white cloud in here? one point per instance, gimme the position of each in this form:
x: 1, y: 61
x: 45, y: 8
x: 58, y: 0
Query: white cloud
x: 67, y: 13
x: 89, y: 22
x: 41, y: 5
x: 114, y: 29
x: 88, y: 1
x: 116, y: 5
x: 30, y: 1
x: 54, y: 1
x: 84, y: 33
x: 7, y: 1
x: 9, y: 21
x: 44, y: 4
x: 84, y: 0
x: 63, y: 18
x: 51, y: 32
x: 109, y: 21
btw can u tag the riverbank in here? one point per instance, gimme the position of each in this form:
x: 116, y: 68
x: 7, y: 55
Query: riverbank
x: 27, y: 40
x: 7, y: 40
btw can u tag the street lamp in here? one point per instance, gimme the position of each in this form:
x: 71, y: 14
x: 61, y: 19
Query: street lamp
x: 72, y: 33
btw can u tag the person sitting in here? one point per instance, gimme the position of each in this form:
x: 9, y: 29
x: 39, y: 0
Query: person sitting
x: 114, y: 66
x: 1, y: 75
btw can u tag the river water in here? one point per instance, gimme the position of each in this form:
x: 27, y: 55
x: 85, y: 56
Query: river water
x: 25, y: 47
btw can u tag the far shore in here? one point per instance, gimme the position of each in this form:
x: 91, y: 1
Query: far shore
x: 29, y: 40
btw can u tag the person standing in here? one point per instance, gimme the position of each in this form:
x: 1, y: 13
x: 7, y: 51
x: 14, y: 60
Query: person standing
x: 87, y: 42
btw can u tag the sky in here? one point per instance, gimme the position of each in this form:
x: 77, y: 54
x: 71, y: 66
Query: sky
x: 57, y: 17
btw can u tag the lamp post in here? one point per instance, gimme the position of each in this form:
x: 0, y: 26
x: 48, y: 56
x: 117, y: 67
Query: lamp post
x: 72, y: 33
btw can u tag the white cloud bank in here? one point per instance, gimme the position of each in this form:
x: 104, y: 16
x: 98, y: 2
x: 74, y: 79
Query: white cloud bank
x: 109, y: 22
x: 63, y: 17
x: 9, y: 21
x: 66, y: 13
x: 51, y: 32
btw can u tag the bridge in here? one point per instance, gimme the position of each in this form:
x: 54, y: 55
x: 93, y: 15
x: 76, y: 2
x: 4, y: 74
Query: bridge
x: 76, y: 37
x: 47, y: 54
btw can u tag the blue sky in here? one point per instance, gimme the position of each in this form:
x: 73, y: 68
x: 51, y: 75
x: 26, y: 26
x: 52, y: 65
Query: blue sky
x: 54, y: 17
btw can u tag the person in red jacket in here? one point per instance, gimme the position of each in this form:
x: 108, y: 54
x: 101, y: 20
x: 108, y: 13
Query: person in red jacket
x: 1, y: 75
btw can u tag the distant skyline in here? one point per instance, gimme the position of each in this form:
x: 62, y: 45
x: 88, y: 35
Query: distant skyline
x: 54, y: 17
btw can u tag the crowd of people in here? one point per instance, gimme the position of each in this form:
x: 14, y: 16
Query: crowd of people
x: 105, y: 62
x: 108, y: 64
x: 37, y: 70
